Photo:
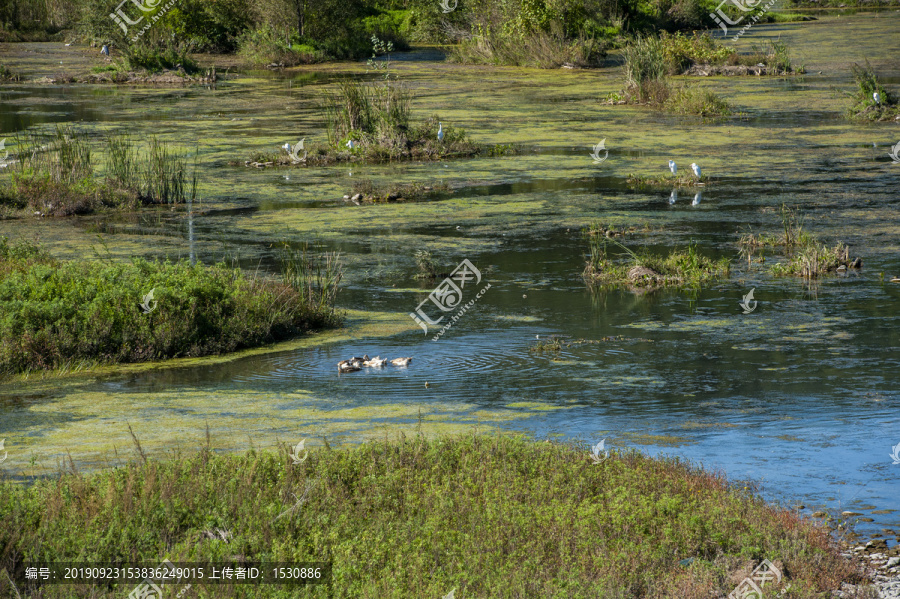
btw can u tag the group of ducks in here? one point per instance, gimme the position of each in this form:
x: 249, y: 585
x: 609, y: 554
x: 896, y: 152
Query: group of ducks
x: 354, y: 364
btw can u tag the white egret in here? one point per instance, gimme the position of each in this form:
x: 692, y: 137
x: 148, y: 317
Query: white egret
x: 351, y: 144
x: 673, y: 197
x: 697, y: 198
x: 696, y: 168
x: 673, y: 167
x: 440, y: 131
x: 286, y: 148
x: 104, y: 50
x: 877, y: 97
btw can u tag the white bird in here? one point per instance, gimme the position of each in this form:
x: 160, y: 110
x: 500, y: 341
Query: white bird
x: 697, y: 198
x: 440, y: 131
x: 401, y: 361
x: 696, y: 168
x: 5, y: 454
x: 877, y: 97
x: 673, y: 197
x: 351, y: 144
x: 673, y: 167
x: 3, y: 149
x: 104, y: 50
x: 296, y: 453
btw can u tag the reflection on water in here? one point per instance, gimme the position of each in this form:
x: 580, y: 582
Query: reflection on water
x: 800, y: 395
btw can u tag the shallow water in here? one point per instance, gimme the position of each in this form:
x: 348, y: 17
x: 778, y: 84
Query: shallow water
x: 801, y: 395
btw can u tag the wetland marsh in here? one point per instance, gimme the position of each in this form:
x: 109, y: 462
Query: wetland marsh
x: 800, y: 396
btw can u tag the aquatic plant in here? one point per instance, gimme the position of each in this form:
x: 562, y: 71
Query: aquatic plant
x: 57, y: 315
x: 815, y: 259
x: 491, y: 515
x: 153, y: 58
x: 697, y: 101
x: 677, y: 268
x: 6, y: 74
x: 315, y: 278
x: 808, y: 257
x: 552, y: 344
x: 426, y: 265
x: 864, y: 104
x: 56, y: 175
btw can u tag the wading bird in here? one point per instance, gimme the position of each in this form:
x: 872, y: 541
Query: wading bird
x: 877, y: 97
x: 351, y: 144
x: 104, y: 50
x: 440, y: 131
x: 697, y: 198
x: 673, y: 167
x: 673, y: 197
x: 696, y: 168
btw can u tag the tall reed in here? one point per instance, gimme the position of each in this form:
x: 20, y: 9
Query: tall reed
x: 315, y: 278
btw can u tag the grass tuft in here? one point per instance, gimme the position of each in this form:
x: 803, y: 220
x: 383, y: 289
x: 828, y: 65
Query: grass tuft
x: 677, y: 268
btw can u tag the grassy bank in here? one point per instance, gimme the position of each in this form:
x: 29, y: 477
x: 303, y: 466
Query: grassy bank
x: 66, y: 315
x: 871, y: 101
x: 57, y: 175
x: 677, y: 268
x: 806, y: 255
x: 488, y: 516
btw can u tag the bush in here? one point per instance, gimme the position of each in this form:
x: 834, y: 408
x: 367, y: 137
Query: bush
x: 58, y: 314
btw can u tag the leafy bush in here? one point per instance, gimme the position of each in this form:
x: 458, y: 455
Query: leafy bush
x: 489, y: 516
x: 58, y: 314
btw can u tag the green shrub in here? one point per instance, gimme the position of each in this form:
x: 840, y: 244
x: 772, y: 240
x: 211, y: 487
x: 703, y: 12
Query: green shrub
x: 489, y: 516
x: 58, y: 314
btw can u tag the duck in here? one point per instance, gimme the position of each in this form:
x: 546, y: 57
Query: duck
x: 376, y: 362
x: 348, y: 366
x: 401, y: 361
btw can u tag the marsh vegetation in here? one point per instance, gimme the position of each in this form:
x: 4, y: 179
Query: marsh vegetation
x: 68, y: 315
x: 678, y: 267
x: 57, y: 174
x: 486, y: 515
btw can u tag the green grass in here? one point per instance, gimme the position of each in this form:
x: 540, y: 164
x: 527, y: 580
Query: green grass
x: 648, y: 62
x: 154, y: 58
x: 665, y: 182
x: 807, y: 256
x: 7, y: 74
x: 677, y: 268
x: 62, y: 315
x: 494, y: 516
x: 863, y: 105
x: 56, y: 175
